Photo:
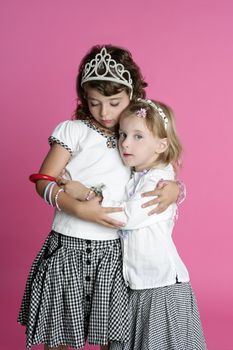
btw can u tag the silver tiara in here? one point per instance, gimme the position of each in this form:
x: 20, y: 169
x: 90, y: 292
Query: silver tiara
x: 104, y: 68
x: 158, y: 109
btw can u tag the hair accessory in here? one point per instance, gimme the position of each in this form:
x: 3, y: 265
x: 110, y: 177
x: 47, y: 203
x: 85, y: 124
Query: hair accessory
x: 158, y: 109
x: 141, y: 113
x: 104, y: 68
x: 35, y: 177
x: 56, y: 198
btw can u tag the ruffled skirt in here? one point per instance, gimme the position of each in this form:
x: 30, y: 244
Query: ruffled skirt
x: 164, y: 318
x: 75, y: 291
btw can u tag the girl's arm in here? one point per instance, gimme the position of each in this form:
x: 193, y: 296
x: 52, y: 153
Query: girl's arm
x: 79, y: 191
x: 75, y: 189
x: 54, y: 163
x: 135, y: 214
x: 167, y: 193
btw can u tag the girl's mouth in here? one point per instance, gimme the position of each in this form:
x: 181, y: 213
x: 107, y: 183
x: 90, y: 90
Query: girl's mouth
x: 127, y: 155
x: 106, y: 122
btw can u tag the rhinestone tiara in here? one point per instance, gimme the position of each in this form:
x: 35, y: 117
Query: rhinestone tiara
x: 104, y: 68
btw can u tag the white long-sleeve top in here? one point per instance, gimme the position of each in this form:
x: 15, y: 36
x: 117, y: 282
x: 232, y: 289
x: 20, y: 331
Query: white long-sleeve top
x: 150, y: 258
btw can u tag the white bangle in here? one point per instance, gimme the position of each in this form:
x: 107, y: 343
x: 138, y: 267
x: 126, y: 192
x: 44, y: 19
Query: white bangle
x: 50, y: 194
x: 46, y: 191
x: 56, y: 198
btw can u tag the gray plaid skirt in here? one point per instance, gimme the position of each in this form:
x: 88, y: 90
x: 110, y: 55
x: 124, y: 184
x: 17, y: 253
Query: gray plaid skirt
x: 75, y: 292
x: 164, y: 318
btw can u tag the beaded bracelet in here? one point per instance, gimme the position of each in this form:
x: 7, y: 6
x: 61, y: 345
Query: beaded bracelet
x: 182, y: 192
x: 56, y: 198
x: 97, y: 190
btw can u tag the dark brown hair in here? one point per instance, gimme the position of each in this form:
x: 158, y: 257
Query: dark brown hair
x: 108, y: 88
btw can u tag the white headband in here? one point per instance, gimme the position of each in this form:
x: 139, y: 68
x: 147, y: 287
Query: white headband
x: 142, y: 112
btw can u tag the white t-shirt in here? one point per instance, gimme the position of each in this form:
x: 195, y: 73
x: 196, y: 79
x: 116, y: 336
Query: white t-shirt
x: 150, y: 258
x: 93, y: 162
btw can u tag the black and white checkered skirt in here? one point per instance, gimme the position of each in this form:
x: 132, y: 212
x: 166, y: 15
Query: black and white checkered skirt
x: 164, y: 318
x: 75, y: 291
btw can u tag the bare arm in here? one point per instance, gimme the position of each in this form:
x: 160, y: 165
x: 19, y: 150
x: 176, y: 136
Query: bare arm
x: 75, y: 189
x: 53, y: 165
x: 164, y: 194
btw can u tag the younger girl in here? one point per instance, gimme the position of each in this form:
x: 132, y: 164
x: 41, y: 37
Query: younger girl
x: 75, y: 289
x: 163, y: 309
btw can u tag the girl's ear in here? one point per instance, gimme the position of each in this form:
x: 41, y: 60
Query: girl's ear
x: 162, y: 145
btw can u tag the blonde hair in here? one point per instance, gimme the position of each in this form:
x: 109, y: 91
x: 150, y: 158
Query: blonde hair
x: 156, y: 124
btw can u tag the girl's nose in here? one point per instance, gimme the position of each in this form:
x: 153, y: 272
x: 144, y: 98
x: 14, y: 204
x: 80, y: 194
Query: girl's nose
x: 104, y: 111
x: 125, y: 143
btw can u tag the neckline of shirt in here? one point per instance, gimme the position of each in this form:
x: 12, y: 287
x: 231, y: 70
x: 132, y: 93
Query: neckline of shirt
x: 111, y: 141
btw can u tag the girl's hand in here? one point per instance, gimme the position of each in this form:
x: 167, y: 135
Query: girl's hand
x: 167, y: 192
x: 74, y: 188
x: 92, y: 211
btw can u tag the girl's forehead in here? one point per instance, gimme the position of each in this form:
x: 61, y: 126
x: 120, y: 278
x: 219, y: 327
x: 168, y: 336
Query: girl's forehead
x: 134, y: 123
x: 95, y: 94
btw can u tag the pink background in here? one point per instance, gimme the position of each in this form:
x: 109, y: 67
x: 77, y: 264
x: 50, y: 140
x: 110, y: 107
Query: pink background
x: 185, y: 51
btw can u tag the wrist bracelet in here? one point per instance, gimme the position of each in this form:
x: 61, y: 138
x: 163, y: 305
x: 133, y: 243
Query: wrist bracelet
x: 56, y: 198
x: 97, y: 189
x: 35, y: 177
x: 182, y: 192
x: 50, y: 194
x: 45, y: 194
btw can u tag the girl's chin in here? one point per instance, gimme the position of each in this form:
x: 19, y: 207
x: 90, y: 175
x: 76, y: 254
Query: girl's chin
x: 128, y: 163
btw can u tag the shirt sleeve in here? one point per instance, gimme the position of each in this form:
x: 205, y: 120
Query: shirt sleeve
x: 66, y: 134
x: 134, y: 216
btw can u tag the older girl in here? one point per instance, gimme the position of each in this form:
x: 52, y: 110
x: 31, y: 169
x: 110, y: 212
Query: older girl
x: 75, y: 290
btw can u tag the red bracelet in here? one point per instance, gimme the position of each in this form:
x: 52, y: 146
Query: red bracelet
x: 35, y: 177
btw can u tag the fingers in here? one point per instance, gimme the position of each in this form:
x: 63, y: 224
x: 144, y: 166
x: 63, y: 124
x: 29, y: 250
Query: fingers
x: 151, y: 202
x: 153, y: 193
x: 95, y: 199
x: 158, y: 210
x: 161, y: 184
x: 157, y: 191
x: 90, y: 195
x: 60, y: 181
x: 112, y: 223
x: 104, y: 223
x: 112, y: 209
x: 160, y: 206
